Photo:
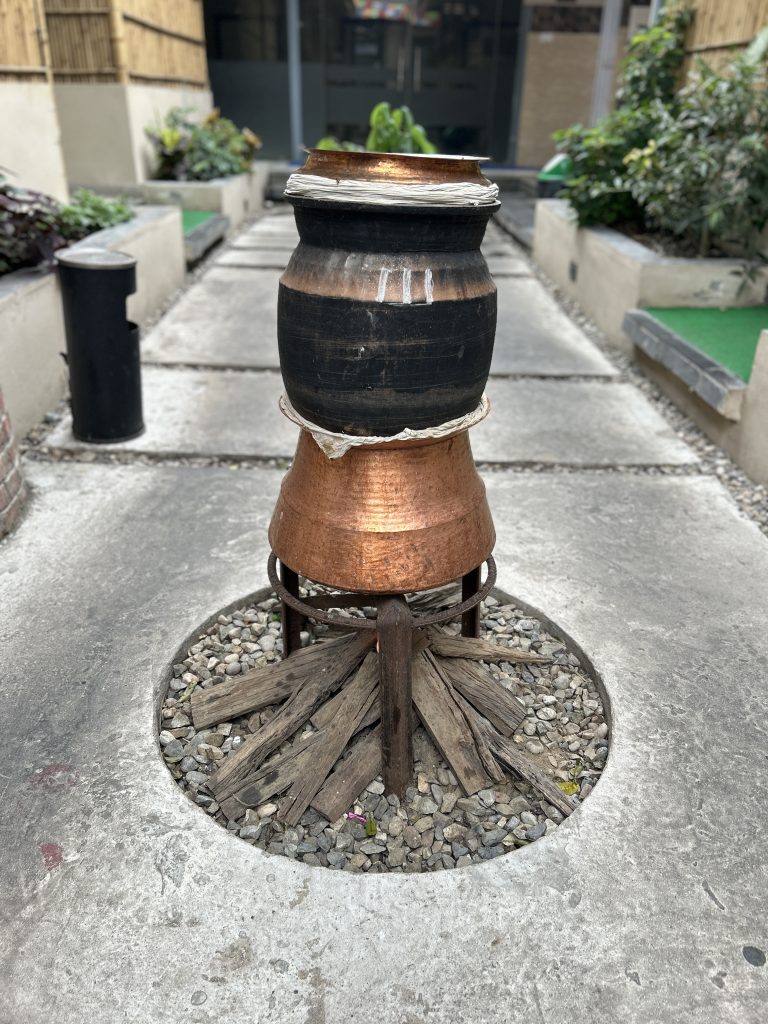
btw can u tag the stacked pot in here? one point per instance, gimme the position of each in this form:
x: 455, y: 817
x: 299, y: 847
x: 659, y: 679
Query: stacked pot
x: 386, y: 323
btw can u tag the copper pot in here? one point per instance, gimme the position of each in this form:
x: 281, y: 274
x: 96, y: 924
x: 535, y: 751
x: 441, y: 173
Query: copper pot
x: 390, y: 518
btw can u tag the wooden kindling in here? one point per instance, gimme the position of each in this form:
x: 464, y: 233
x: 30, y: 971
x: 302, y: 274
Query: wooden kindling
x: 292, y: 715
x: 260, y: 688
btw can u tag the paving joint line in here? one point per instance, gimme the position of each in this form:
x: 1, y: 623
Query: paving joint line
x: 589, y: 378
x: 51, y: 454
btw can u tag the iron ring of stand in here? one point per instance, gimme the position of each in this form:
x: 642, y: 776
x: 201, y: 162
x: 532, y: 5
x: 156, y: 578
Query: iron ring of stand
x: 286, y: 588
x: 395, y: 626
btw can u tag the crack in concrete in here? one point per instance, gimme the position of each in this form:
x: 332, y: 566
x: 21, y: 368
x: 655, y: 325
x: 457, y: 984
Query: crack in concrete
x: 708, y: 890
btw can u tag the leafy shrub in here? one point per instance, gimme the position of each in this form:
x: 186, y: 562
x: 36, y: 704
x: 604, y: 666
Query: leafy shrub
x: 599, y: 191
x: 391, y: 131
x: 395, y: 131
x: 703, y: 176
x: 651, y: 69
x: 30, y: 230
x: 33, y: 225
x: 88, y: 212
x: 214, y: 148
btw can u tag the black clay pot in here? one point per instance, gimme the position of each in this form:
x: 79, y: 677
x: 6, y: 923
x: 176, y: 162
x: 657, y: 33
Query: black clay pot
x: 386, y: 315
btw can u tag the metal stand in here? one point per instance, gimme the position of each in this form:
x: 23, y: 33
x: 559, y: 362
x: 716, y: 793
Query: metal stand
x: 394, y: 625
x: 293, y: 621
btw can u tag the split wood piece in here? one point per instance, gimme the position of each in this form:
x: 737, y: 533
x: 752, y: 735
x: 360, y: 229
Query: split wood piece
x: 291, y: 716
x: 479, y: 650
x: 324, y: 715
x: 520, y: 765
x: 323, y: 755
x: 263, y: 686
x: 484, y: 751
x: 350, y: 777
x: 500, y: 707
x: 270, y: 780
x: 445, y: 722
x: 394, y: 628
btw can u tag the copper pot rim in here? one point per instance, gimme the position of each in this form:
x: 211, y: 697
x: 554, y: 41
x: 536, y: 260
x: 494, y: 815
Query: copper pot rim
x: 401, y: 167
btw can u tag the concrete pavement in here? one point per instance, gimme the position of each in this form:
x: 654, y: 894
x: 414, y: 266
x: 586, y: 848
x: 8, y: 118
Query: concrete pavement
x: 127, y: 903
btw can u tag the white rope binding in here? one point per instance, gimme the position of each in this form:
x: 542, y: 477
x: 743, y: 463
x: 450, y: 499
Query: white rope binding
x: 336, y: 445
x: 391, y: 193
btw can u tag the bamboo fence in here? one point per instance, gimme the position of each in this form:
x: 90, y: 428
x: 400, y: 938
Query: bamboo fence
x: 156, y: 42
x: 23, y: 43
x: 723, y: 27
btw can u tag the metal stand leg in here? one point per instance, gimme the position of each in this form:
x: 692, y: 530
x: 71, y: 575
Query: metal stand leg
x: 292, y: 620
x: 470, y: 621
x: 395, y: 626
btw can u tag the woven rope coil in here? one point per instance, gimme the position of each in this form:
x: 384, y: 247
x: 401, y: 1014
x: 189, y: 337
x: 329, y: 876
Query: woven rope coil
x: 390, y: 193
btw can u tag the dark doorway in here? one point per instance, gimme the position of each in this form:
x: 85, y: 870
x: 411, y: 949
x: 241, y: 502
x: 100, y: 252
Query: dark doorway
x: 452, y: 63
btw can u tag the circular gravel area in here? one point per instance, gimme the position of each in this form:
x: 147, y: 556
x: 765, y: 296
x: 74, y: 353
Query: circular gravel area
x: 437, y: 826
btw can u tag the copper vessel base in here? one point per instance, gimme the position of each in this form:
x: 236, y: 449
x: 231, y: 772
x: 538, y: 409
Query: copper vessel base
x: 396, y: 518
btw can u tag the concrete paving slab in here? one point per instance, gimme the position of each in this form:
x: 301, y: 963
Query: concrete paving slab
x: 267, y: 243
x: 507, y: 265
x: 264, y: 258
x: 578, y: 423
x: 204, y: 412
x: 235, y: 415
x: 534, y: 336
x: 122, y: 901
x: 228, y: 318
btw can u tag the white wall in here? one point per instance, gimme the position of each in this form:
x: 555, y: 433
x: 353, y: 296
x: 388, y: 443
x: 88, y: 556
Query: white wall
x: 102, y: 128
x: 30, y: 149
x: 148, y: 105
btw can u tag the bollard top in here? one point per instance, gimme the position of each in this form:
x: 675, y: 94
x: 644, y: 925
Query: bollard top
x: 94, y: 258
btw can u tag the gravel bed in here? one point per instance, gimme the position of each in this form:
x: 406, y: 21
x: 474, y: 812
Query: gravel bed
x: 437, y: 826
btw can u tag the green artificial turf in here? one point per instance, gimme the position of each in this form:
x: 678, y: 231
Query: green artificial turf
x: 729, y: 336
x: 191, y: 219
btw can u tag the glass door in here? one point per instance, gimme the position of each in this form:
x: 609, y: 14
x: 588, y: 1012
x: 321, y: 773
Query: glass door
x: 452, y: 63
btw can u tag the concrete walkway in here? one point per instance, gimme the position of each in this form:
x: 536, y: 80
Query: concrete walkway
x: 124, y: 902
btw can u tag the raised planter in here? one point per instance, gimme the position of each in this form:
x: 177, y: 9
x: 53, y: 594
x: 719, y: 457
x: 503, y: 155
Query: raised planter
x: 740, y: 425
x: 608, y: 273
x: 32, y: 372
x: 237, y: 198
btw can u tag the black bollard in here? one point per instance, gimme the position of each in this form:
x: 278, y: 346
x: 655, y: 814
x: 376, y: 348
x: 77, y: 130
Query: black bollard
x: 102, y: 345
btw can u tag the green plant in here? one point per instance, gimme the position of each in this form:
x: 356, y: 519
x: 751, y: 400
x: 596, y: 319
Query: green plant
x: 30, y: 231
x: 391, y: 131
x: 33, y: 225
x: 331, y: 142
x: 395, y: 131
x: 703, y: 176
x: 191, y: 151
x: 599, y: 190
x: 88, y: 212
x: 651, y: 69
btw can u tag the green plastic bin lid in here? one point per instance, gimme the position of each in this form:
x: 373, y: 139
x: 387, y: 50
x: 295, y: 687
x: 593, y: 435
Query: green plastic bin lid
x: 558, y: 168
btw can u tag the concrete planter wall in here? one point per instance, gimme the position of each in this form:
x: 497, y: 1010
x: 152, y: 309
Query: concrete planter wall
x: 32, y: 372
x: 744, y: 433
x: 238, y: 198
x: 608, y: 273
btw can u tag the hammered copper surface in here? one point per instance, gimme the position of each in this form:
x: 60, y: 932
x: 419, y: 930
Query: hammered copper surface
x: 403, y: 168
x: 394, y: 518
